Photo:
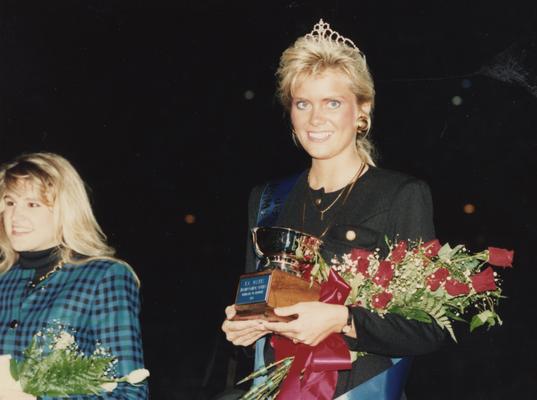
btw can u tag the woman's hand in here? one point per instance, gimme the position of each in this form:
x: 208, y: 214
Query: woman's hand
x: 315, y: 321
x: 14, y: 394
x: 10, y: 389
x: 242, y: 333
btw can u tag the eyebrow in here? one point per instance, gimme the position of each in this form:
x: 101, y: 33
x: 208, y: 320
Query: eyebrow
x: 35, y: 199
x: 327, y: 98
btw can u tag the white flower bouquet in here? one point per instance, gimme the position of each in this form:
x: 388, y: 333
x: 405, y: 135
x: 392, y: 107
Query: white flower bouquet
x: 62, y: 370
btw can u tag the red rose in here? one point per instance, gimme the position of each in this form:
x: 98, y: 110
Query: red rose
x: 432, y: 248
x: 359, y: 253
x: 363, y: 265
x: 501, y: 257
x: 384, y: 274
x: 308, y: 256
x: 484, y: 280
x: 399, y: 251
x: 380, y: 300
x: 437, y: 278
x: 305, y: 270
x: 311, y: 241
x: 456, y: 288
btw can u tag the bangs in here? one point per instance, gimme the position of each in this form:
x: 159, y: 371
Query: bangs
x: 26, y: 176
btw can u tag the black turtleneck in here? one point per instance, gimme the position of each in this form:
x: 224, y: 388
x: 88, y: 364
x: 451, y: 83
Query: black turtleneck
x: 42, y: 261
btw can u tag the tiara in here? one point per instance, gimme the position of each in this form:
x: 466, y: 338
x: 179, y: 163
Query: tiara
x: 322, y: 32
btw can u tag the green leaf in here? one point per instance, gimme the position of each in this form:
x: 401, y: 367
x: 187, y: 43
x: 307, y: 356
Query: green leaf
x: 387, y: 241
x: 14, y: 368
x: 315, y: 269
x: 270, y: 388
x: 454, y: 316
x: 63, y: 373
x: 469, y: 264
x: 445, y: 323
x: 264, y: 370
x: 298, y: 252
x: 411, y: 313
x: 444, y: 252
x: 488, y: 317
x: 476, y: 322
x: 455, y: 250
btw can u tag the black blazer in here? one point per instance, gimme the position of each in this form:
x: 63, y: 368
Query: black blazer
x: 382, y: 204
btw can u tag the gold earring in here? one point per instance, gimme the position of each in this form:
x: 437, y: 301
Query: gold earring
x: 362, y: 125
x: 293, y: 136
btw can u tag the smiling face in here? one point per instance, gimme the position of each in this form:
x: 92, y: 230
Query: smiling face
x: 324, y: 114
x: 29, y: 223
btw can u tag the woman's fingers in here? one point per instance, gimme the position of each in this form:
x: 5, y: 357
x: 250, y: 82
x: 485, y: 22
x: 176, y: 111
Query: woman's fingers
x: 314, y: 323
x: 282, y: 328
x: 289, y: 310
x: 230, y: 311
x: 240, y: 326
x: 248, y: 339
x: 241, y: 335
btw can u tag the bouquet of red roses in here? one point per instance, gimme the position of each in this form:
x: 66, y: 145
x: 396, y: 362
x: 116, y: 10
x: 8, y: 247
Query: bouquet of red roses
x: 421, y: 281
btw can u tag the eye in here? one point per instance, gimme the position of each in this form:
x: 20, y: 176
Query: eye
x: 33, y: 204
x: 9, y: 203
x: 301, y: 104
x: 333, y: 104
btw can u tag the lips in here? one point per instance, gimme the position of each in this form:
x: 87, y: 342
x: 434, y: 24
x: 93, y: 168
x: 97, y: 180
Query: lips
x: 319, y: 136
x: 20, y: 231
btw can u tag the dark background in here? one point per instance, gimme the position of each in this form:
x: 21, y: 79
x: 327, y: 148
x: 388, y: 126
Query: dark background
x: 167, y: 108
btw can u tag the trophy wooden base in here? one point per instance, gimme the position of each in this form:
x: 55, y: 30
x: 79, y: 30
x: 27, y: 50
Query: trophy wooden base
x: 260, y: 293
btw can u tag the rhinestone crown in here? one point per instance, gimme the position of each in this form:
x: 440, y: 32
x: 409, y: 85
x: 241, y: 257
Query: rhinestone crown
x: 322, y: 32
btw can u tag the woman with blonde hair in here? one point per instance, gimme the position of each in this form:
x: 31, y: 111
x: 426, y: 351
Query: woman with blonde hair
x: 56, y: 270
x: 344, y: 199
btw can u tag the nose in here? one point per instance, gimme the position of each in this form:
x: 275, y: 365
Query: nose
x: 317, y: 116
x: 17, y: 214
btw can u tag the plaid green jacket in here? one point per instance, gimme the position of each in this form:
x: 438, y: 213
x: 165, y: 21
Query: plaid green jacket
x: 98, y: 300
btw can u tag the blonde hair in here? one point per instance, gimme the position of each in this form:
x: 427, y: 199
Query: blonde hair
x: 306, y: 57
x: 60, y: 187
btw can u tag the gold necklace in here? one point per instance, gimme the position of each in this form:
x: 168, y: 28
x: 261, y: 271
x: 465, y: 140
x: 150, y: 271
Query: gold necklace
x: 33, y: 283
x: 330, y: 205
x: 348, y: 186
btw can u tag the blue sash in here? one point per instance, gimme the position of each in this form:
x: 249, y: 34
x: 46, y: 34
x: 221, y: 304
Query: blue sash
x: 270, y: 204
x: 389, y: 384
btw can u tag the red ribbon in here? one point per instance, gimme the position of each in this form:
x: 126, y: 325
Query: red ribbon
x: 320, y: 363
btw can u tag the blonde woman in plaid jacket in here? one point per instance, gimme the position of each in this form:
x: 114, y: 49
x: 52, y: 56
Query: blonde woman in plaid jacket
x: 57, y: 270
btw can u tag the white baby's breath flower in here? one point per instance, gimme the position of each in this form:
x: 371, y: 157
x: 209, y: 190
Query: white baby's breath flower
x: 63, y: 341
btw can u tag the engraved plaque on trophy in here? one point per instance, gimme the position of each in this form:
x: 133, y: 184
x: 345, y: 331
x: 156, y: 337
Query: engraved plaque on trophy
x: 279, y: 283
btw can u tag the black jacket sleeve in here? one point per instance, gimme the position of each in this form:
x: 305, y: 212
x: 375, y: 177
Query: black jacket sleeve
x: 411, y: 213
x: 409, y: 218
